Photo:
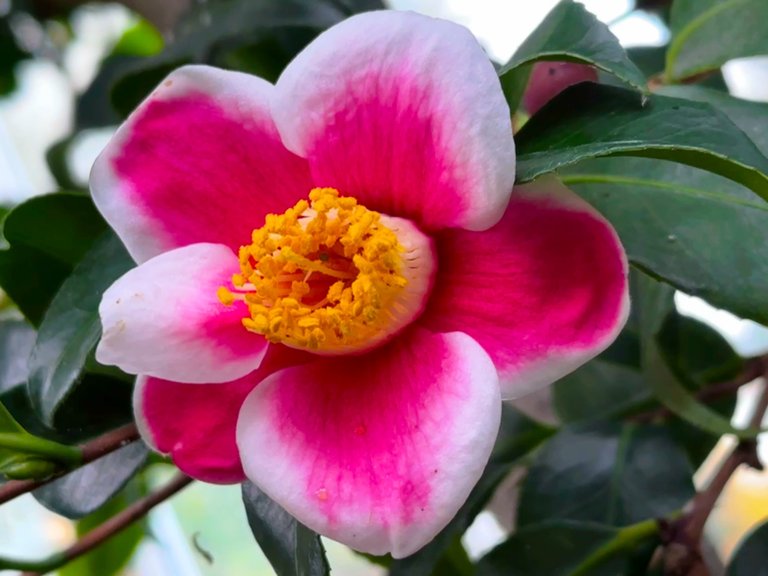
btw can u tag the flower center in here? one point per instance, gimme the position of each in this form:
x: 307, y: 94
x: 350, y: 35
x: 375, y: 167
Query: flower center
x: 331, y: 276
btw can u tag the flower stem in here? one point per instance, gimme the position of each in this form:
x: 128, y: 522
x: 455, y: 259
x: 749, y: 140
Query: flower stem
x: 100, y: 534
x: 86, y: 453
x: 30, y: 444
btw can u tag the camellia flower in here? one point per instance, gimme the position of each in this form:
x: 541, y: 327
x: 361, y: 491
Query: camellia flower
x: 337, y: 283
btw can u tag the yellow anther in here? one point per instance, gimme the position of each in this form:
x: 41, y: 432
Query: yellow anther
x: 321, y: 275
x: 226, y: 297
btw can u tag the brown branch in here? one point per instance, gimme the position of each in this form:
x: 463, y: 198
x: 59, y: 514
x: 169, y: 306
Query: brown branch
x: 91, y: 451
x: 686, y: 533
x: 113, y: 526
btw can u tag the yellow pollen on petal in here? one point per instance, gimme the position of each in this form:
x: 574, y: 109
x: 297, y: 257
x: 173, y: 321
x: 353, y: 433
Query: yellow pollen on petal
x: 323, y: 276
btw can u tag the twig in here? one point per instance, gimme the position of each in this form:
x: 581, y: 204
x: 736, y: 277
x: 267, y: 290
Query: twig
x: 103, y: 532
x: 687, y: 532
x: 90, y: 451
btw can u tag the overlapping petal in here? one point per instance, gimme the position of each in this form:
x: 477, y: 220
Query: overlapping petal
x: 377, y: 451
x: 164, y: 319
x: 543, y: 291
x: 199, y: 161
x: 195, y: 424
x: 406, y: 114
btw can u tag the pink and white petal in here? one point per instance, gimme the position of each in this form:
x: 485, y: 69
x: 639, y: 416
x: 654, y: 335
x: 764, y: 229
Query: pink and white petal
x: 376, y: 451
x: 543, y: 291
x: 199, y: 160
x: 163, y: 319
x: 405, y: 113
x: 195, y: 425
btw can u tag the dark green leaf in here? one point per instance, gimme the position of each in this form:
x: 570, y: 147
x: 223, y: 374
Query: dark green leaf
x: 48, y: 235
x: 608, y: 473
x: 62, y: 226
x: 566, y: 548
x: 210, y: 27
x: 684, y: 225
x: 751, y: 117
x: 751, y: 557
x: 591, y: 120
x: 31, y: 278
x: 291, y: 548
x: 570, y: 33
x: 16, y: 341
x: 599, y: 390
x: 518, y: 436
x: 10, y: 56
x: 57, y: 157
x: 708, y: 33
x: 87, y: 489
x: 668, y: 383
x: 71, y: 326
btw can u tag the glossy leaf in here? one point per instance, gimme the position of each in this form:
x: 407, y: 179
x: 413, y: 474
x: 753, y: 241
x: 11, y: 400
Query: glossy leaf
x: 751, y: 557
x: 71, y: 326
x: 667, y: 382
x: 686, y: 226
x: 16, y: 340
x: 62, y: 226
x: 590, y: 120
x: 87, y: 489
x: 608, y: 473
x: 569, y: 33
x: 708, y: 33
x: 518, y: 436
x: 751, y: 117
x: 291, y: 548
x: 48, y: 235
x: 566, y: 548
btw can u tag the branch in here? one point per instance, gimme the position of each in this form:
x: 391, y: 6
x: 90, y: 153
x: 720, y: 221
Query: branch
x: 686, y: 533
x: 102, y: 533
x: 89, y: 452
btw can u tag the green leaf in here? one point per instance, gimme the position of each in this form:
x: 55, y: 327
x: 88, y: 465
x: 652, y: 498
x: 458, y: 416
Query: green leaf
x: 708, y: 33
x: 591, y: 120
x: 686, y: 226
x: 62, y: 226
x: 57, y: 157
x: 88, y: 488
x: 654, y: 302
x: 566, y: 548
x: 570, y: 33
x: 751, y: 117
x: 48, y: 235
x: 10, y: 56
x: 652, y: 59
x: 210, y: 28
x: 16, y: 340
x: 71, y: 326
x: 518, y: 436
x: 291, y: 548
x: 610, y: 473
x: 751, y: 557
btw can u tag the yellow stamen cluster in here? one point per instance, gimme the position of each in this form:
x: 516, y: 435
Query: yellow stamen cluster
x: 322, y: 276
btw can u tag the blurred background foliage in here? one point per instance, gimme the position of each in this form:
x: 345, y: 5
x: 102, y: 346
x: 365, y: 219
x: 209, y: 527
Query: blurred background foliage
x: 582, y: 472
